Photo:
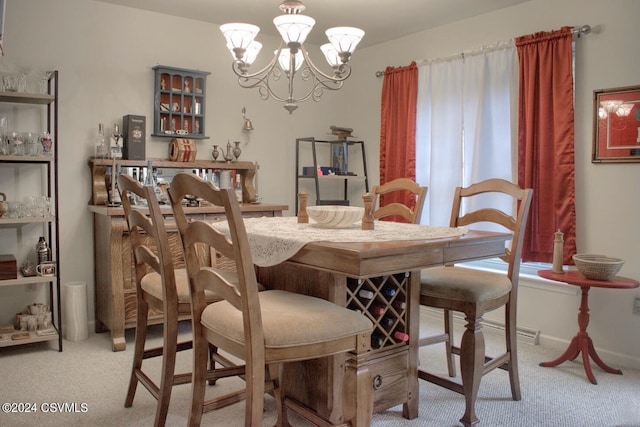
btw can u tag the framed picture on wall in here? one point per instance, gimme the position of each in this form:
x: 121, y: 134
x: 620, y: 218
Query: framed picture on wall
x: 616, y: 125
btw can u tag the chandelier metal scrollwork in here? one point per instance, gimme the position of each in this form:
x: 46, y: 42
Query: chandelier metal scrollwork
x: 291, y: 58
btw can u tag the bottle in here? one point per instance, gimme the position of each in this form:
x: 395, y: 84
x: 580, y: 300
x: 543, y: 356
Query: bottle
x: 376, y: 340
x: 43, y: 251
x: 389, y: 291
x: 401, y: 336
x: 399, y: 305
x: 386, y: 321
x: 115, y: 197
x: 101, y: 149
x: 377, y: 310
x: 238, y: 188
x: 148, y: 177
x: 363, y: 293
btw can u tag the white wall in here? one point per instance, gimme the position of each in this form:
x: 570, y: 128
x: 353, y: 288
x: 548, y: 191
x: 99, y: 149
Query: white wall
x: 105, y: 54
x: 607, y: 198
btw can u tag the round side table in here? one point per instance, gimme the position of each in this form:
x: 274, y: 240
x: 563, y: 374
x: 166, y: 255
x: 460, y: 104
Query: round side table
x: 582, y: 342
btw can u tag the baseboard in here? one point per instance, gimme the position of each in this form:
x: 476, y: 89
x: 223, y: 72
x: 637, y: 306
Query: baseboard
x: 524, y: 335
x: 611, y: 358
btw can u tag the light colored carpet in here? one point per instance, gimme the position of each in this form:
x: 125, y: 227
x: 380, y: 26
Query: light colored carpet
x: 89, y: 373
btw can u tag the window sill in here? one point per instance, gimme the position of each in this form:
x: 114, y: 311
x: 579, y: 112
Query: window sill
x: 528, y: 275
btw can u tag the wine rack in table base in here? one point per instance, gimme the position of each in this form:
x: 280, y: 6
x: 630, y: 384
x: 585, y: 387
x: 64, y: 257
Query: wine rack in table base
x: 383, y: 300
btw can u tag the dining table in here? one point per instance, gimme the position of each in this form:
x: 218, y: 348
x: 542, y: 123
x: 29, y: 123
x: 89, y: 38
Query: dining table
x: 376, y: 272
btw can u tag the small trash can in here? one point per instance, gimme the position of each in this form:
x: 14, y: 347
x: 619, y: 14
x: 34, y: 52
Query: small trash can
x: 74, y: 311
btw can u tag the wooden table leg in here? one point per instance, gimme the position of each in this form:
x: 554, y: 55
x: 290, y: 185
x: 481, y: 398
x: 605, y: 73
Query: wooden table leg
x: 410, y: 408
x: 582, y: 343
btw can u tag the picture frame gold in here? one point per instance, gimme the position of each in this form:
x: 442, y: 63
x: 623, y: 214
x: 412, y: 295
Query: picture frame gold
x: 616, y: 125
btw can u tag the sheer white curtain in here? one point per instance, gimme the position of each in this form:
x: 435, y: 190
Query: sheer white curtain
x: 465, y: 124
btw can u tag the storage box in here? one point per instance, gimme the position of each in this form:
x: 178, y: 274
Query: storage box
x: 134, y: 133
x: 8, y: 267
x: 183, y: 150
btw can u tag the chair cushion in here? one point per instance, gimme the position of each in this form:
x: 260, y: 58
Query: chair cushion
x: 288, y: 319
x: 152, y: 284
x: 463, y: 284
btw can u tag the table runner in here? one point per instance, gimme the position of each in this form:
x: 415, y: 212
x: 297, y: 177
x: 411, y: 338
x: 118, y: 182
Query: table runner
x: 275, y: 239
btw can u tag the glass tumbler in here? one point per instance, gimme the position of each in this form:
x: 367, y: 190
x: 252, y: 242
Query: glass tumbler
x: 4, y: 144
x: 4, y: 131
x: 31, y: 144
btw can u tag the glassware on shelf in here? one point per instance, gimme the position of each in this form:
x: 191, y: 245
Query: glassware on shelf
x: 47, y: 143
x: 32, y: 147
x: 11, y: 83
x: 238, y: 188
x: 4, y: 130
x: 101, y: 147
x: 16, y: 144
x: 4, y: 145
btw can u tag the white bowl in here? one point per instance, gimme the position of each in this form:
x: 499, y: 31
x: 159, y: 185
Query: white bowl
x: 330, y: 216
x: 597, y: 267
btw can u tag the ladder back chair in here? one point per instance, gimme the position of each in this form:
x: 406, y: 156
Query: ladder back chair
x: 256, y: 326
x: 411, y: 210
x: 159, y: 286
x: 474, y: 293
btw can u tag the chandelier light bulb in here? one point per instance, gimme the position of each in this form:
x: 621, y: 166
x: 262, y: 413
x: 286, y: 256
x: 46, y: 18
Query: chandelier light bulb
x: 285, y: 60
x: 294, y: 28
x: 345, y: 40
x: 252, y: 52
x: 239, y: 36
x: 331, y: 55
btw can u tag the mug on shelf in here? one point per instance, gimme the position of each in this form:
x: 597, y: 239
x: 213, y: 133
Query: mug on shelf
x: 46, y: 269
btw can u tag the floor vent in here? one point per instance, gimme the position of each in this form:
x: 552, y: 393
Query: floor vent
x: 525, y: 335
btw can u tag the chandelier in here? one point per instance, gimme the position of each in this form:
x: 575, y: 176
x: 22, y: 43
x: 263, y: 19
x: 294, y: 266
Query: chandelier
x: 291, y: 57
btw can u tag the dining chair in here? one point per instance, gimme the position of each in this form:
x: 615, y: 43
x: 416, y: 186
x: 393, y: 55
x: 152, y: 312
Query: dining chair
x: 265, y: 329
x: 474, y: 292
x: 159, y: 287
x: 414, y: 198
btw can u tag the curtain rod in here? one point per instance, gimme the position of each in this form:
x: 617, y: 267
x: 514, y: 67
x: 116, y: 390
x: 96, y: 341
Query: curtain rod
x: 575, y: 31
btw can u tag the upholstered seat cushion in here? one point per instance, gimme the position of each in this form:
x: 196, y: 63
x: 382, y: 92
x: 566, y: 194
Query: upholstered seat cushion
x: 288, y: 319
x: 463, y: 284
x: 152, y: 284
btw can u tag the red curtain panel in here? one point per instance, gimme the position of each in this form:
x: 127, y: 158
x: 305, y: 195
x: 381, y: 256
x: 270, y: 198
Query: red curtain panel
x: 398, y: 127
x: 546, y: 141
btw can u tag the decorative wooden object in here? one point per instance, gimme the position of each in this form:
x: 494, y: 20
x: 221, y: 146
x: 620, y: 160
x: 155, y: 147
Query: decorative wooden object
x: 367, y: 218
x: 303, y: 216
x: 8, y: 267
x: 183, y: 150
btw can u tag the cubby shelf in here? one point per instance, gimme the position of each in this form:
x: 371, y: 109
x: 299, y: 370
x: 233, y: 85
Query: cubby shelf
x: 383, y: 300
x: 179, y: 103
